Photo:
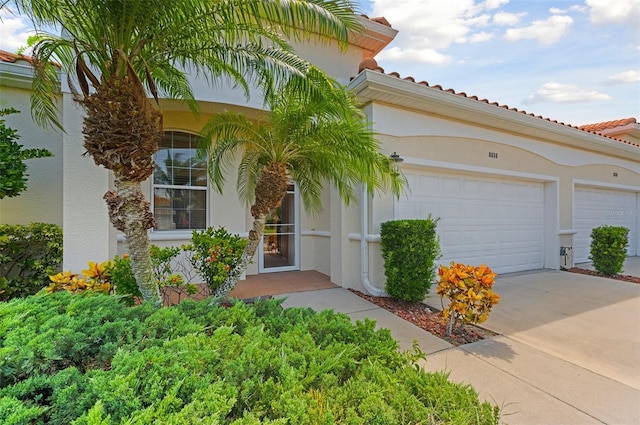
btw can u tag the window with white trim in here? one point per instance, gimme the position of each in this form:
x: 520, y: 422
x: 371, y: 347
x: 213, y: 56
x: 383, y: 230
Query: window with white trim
x: 179, y: 184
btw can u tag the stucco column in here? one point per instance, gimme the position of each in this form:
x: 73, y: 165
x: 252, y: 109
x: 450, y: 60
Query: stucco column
x: 85, y: 222
x: 338, y: 237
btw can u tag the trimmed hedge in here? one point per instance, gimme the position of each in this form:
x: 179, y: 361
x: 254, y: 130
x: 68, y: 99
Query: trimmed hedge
x: 410, y: 249
x: 28, y: 256
x: 609, y: 248
x: 88, y: 359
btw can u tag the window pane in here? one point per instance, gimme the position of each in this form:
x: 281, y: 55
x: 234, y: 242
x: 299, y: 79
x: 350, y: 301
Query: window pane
x: 181, y: 176
x: 176, y: 165
x: 162, y: 172
x: 163, y: 213
x: 198, y: 177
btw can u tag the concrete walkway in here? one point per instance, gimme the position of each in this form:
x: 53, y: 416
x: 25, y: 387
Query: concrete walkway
x: 568, y: 350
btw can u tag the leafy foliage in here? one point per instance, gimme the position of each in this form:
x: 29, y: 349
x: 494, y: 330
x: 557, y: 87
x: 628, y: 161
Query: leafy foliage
x: 312, y: 138
x: 28, y: 255
x: 13, y: 170
x: 410, y: 249
x: 214, y: 252
x: 123, y: 280
x: 469, y: 292
x: 609, y: 248
x: 95, y: 278
x: 88, y: 359
x: 119, y: 52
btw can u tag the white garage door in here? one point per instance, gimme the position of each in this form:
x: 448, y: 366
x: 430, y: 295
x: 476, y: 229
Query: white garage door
x: 498, y: 222
x: 594, y: 207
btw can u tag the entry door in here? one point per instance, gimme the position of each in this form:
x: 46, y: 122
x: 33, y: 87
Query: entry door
x: 279, y: 250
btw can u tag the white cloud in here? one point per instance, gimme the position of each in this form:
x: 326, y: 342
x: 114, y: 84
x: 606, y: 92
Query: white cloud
x: 480, y: 37
x: 507, y: 19
x: 413, y: 56
x: 429, y: 27
x: 554, y: 92
x: 494, y: 4
x: 614, y: 12
x: 547, y: 32
x: 624, y: 77
x: 574, y: 8
x: 14, y: 31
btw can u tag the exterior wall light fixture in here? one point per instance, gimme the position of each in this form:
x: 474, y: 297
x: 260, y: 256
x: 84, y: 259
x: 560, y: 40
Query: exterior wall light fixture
x: 395, y: 157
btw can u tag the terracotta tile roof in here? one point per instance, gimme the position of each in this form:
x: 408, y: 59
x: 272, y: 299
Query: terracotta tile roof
x: 13, y: 57
x: 608, y: 124
x: 381, y: 20
x: 371, y: 64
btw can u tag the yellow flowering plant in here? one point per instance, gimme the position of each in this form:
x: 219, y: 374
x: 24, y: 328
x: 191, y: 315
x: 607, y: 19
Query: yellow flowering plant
x: 470, y: 294
x: 95, y: 278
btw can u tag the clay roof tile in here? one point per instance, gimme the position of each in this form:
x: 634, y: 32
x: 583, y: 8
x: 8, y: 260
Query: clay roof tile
x: 591, y: 128
x: 14, y: 57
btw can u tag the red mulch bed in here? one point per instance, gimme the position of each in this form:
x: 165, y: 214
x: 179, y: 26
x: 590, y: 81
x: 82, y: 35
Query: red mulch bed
x: 626, y: 278
x: 428, y: 319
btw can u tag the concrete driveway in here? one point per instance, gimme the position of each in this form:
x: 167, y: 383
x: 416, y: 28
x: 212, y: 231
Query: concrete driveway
x: 568, y: 350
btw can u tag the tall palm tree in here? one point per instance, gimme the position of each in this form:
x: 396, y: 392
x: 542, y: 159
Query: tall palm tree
x: 122, y: 52
x: 311, y: 138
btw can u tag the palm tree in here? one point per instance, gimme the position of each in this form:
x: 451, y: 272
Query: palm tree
x: 121, y: 51
x: 311, y: 138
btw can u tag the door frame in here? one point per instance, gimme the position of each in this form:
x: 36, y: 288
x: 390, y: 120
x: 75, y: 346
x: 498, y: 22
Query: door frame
x: 296, y: 240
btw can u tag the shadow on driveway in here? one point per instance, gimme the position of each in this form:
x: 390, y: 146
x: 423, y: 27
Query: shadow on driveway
x: 589, y: 321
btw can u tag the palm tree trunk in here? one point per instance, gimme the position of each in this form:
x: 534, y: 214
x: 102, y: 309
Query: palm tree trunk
x: 130, y: 213
x: 255, y: 236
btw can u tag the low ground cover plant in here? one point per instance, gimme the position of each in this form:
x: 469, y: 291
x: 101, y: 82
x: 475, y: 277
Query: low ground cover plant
x: 89, y: 359
x: 609, y: 248
x: 469, y: 292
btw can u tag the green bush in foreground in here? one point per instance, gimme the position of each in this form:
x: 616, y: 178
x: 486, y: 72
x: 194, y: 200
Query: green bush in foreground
x: 88, y: 359
x: 609, y: 248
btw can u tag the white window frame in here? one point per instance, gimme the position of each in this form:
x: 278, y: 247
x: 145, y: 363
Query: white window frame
x: 179, y: 233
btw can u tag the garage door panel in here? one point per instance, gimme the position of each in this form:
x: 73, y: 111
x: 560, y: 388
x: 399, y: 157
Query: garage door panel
x: 482, y: 220
x: 594, y: 207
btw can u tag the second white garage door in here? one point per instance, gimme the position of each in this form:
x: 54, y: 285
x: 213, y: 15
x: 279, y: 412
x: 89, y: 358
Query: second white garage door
x: 594, y: 207
x: 498, y: 222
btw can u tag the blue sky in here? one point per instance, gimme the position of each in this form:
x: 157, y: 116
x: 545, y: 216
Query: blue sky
x: 575, y: 61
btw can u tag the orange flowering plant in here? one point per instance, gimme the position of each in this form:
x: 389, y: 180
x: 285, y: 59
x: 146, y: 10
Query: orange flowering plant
x: 470, y: 294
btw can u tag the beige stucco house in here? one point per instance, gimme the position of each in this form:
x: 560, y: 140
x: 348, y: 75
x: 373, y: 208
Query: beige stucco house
x: 512, y: 190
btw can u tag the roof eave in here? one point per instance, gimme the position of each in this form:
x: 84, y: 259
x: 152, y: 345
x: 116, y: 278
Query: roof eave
x: 17, y: 74
x: 373, y: 86
x: 632, y: 129
x: 373, y: 38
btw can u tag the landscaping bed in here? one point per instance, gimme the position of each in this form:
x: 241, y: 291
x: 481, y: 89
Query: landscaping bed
x: 428, y: 318
x: 625, y: 278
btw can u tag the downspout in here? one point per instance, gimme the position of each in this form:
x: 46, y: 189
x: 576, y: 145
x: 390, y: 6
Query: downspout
x: 364, y: 246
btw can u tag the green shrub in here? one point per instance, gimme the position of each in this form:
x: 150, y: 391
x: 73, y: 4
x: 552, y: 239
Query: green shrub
x: 13, y: 170
x: 609, y: 248
x: 214, y: 253
x: 28, y: 256
x: 88, y: 359
x: 124, y: 282
x: 410, y: 249
x: 122, y: 278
